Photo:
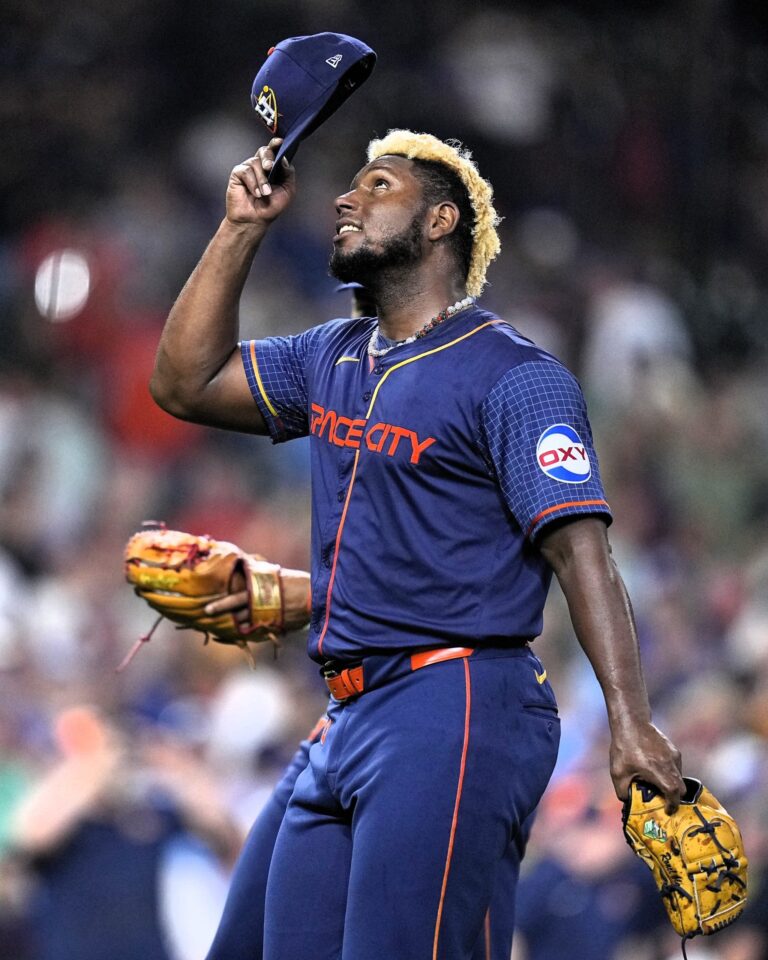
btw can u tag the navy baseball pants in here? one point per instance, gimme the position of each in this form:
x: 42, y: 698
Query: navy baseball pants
x: 407, y: 826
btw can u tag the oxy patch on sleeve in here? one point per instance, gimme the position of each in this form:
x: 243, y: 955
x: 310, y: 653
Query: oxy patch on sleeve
x: 562, y: 456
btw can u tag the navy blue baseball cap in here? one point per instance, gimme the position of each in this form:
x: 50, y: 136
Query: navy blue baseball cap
x: 303, y: 81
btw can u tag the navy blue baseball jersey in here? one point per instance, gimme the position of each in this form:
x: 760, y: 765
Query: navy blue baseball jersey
x: 434, y: 470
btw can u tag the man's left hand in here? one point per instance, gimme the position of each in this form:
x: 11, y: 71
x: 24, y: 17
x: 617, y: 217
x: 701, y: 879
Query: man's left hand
x: 643, y: 751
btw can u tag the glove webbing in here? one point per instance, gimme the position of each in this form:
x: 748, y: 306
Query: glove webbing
x: 729, y: 863
x: 710, y: 828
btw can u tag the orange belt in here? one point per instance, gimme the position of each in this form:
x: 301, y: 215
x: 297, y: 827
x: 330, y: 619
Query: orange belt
x: 347, y: 683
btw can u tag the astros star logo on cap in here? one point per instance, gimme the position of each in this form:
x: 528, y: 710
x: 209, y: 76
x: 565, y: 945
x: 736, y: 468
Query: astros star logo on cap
x: 266, y: 107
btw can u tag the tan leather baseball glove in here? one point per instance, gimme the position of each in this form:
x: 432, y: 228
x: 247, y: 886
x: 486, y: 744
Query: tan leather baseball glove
x: 179, y: 574
x: 696, y: 855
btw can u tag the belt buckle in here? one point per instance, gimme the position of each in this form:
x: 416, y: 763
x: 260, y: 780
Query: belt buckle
x: 334, y: 668
x: 346, y: 689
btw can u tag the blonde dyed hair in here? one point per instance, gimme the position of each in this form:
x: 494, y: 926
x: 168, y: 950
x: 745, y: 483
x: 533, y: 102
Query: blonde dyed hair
x: 452, y: 154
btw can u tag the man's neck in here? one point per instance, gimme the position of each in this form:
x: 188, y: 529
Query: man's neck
x: 404, y: 308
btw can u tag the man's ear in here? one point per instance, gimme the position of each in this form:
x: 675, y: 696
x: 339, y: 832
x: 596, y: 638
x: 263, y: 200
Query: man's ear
x: 443, y: 220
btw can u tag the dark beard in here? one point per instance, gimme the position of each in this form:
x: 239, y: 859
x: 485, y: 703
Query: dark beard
x: 365, y: 265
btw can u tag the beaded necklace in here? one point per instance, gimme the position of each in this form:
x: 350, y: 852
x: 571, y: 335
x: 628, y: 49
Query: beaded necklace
x: 374, y: 351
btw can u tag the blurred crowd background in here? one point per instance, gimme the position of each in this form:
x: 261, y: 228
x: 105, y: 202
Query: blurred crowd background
x: 628, y: 147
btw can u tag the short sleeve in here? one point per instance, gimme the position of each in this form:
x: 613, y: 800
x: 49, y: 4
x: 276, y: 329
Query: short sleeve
x: 538, y: 442
x: 276, y: 369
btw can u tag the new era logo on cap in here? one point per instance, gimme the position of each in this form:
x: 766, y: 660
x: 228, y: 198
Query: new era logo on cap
x: 294, y: 92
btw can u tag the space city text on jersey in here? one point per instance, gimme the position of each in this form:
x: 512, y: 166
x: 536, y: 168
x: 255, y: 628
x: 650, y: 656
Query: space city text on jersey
x: 379, y: 438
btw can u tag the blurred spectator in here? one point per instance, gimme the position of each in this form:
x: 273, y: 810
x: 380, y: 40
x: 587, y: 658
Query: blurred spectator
x: 94, y: 832
x: 585, y: 895
x: 635, y: 339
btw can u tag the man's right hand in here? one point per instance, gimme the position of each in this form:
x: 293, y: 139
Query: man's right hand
x: 250, y: 196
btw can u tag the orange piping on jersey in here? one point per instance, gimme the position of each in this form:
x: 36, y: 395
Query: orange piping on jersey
x: 564, y: 506
x: 336, y: 554
x: 262, y: 391
x: 397, y: 366
x: 462, y: 767
x: 487, y: 928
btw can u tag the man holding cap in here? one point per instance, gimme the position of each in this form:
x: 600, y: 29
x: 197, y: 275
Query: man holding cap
x: 303, y: 81
x: 452, y: 472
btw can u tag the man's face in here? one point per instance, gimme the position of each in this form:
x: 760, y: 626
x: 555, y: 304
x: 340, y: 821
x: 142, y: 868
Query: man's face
x: 381, y: 222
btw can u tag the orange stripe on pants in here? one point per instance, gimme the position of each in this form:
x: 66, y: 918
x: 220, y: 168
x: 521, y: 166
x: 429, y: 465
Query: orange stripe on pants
x: 454, y: 822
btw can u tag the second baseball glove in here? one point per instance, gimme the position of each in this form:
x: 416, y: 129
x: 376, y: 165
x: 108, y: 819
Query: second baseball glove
x: 696, y: 855
x: 178, y: 574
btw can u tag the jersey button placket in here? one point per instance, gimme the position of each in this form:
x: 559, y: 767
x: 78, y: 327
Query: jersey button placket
x: 346, y: 460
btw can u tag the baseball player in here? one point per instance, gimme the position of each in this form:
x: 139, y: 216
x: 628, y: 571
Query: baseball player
x: 240, y: 934
x: 453, y: 471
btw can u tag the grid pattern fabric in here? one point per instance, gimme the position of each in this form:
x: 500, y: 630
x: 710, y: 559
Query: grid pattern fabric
x: 525, y: 402
x: 281, y: 365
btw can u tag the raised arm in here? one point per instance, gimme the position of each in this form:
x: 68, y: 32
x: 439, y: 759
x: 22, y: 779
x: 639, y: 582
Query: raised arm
x: 198, y: 373
x: 580, y: 556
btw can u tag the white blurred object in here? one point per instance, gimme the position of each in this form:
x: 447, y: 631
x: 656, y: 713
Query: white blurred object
x: 548, y: 237
x: 250, y: 712
x: 211, y: 146
x: 747, y: 639
x: 13, y: 599
x: 58, y: 623
x: 635, y: 331
x: 62, y: 284
x: 193, y: 888
x: 699, y: 949
x: 734, y: 764
x: 505, y: 75
x: 55, y: 455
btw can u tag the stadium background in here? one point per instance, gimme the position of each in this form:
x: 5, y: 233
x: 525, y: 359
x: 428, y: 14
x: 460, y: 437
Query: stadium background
x: 628, y: 146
